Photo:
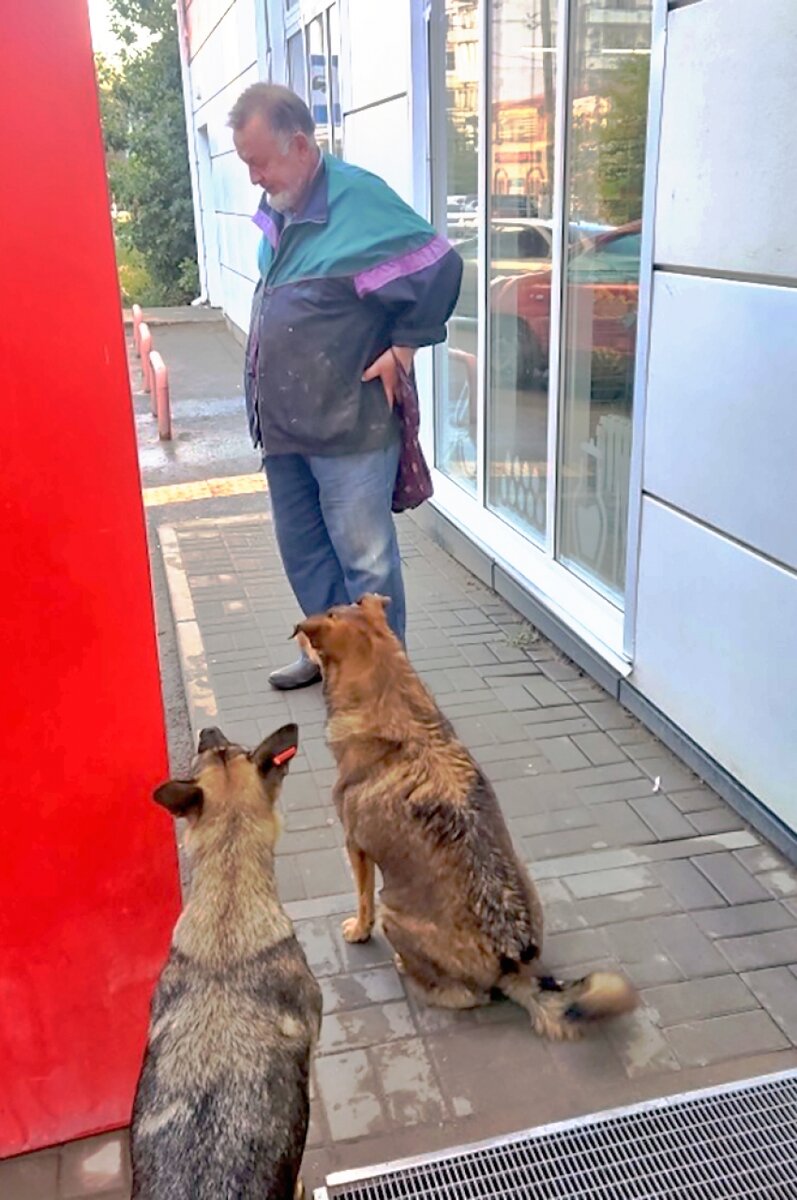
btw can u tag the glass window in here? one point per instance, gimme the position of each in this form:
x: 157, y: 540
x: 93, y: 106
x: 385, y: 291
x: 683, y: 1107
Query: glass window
x: 594, y: 244
x: 297, y: 78
x: 321, y: 84
x: 318, y: 83
x: 605, y: 171
x: 522, y: 103
x: 455, y: 414
x: 333, y: 41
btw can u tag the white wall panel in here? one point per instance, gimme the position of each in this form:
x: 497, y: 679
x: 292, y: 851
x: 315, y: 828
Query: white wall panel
x: 233, y: 193
x: 717, y: 650
x: 238, y: 243
x: 238, y: 293
x: 721, y: 427
x: 379, y: 139
x: 229, y: 51
x: 377, y: 59
x: 201, y: 18
x: 215, y: 111
x: 728, y: 168
x: 233, y: 198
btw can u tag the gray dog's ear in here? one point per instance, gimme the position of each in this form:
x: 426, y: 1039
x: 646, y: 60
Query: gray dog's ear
x: 179, y: 797
x: 276, y: 751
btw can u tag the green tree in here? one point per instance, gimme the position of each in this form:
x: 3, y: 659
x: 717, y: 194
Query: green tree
x: 621, y: 142
x: 147, y: 155
x: 463, y: 157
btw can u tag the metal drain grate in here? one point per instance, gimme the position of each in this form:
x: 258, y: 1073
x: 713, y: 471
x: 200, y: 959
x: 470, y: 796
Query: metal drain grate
x: 739, y: 1140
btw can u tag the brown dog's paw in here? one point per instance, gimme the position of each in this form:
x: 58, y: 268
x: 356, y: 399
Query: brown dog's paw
x: 399, y: 964
x: 353, y: 931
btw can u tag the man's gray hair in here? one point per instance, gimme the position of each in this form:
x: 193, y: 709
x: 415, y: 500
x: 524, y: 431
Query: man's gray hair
x: 284, y: 111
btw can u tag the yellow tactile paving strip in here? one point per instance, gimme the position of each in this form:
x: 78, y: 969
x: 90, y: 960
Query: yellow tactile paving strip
x: 203, y: 489
x: 242, y: 485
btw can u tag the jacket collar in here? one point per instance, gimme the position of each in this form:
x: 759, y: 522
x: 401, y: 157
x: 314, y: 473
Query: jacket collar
x: 315, y: 209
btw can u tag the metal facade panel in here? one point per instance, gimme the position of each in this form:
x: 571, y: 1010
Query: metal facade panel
x: 721, y: 426
x: 717, y: 650
x: 726, y: 174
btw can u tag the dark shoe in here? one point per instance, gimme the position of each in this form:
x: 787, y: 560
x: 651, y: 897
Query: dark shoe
x: 299, y: 674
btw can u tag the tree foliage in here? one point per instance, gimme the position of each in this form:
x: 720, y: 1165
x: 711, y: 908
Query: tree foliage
x: 146, y: 150
x: 607, y: 157
x: 621, y: 167
x: 463, y: 157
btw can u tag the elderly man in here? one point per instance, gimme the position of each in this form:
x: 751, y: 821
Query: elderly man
x: 351, y: 280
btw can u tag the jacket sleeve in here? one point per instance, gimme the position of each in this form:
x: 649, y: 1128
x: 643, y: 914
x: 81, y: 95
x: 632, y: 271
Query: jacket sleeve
x: 417, y: 289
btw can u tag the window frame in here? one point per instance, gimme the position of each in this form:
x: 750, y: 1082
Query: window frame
x: 297, y: 21
x: 605, y: 625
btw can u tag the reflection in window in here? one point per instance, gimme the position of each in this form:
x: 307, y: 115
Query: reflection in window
x: 520, y: 253
x: 297, y: 78
x: 455, y: 415
x: 333, y: 41
x: 318, y: 83
x: 606, y: 158
x: 323, y: 93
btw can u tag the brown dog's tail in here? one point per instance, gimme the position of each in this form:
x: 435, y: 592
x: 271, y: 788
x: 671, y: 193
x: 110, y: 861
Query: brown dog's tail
x: 560, y: 1010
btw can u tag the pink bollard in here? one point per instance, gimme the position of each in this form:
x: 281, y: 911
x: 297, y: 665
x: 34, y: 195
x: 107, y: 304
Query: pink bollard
x: 138, y: 317
x: 146, y: 347
x: 160, y: 390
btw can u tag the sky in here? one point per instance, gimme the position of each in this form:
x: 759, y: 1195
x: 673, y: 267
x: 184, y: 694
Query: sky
x: 102, y: 37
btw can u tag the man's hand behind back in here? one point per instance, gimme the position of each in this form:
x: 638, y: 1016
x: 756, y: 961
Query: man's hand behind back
x: 385, y: 368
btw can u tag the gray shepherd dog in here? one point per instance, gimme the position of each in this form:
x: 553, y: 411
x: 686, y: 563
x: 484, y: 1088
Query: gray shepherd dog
x: 222, y: 1104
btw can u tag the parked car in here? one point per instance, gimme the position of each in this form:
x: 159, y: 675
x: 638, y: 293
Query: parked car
x: 602, y: 294
x: 516, y: 246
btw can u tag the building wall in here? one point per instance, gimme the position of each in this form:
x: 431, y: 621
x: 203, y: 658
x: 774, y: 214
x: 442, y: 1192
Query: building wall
x: 225, y: 49
x: 376, y: 89
x: 714, y: 648
x: 716, y: 639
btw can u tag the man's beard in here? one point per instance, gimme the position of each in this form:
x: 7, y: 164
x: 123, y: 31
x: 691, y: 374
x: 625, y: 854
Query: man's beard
x: 282, y: 202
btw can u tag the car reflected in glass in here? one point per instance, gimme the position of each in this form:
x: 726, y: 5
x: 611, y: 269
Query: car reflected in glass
x: 604, y: 271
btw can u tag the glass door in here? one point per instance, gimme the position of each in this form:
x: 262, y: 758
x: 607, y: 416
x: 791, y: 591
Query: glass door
x: 456, y: 195
x: 539, y: 126
x: 605, y: 170
x: 520, y: 255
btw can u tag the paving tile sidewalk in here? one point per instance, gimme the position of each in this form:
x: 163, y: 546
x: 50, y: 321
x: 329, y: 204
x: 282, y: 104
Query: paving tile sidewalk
x: 638, y: 863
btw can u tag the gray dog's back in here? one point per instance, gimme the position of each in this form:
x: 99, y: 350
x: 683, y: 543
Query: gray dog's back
x: 222, y: 1103
x: 222, y: 1106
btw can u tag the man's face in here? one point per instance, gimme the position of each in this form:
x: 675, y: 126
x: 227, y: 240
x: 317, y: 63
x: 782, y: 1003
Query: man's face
x: 282, y: 164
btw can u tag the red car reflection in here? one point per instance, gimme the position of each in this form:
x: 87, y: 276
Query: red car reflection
x: 601, y: 297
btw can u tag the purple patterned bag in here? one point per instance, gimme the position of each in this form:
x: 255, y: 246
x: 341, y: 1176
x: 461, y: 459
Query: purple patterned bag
x: 413, y: 479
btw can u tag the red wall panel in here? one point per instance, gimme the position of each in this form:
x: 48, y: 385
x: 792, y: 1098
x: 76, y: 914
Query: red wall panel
x: 88, y: 879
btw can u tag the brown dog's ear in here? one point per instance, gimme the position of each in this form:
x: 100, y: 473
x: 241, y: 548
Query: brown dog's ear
x: 276, y: 751
x: 311, y: 627
x: 308, y: 649
x: 373, y: 604
x: 179, y: 797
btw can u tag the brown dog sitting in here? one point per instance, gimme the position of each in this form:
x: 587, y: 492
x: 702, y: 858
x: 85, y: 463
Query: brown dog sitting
x: 457, y: 904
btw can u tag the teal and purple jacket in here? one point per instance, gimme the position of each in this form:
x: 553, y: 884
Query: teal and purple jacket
x: 356, y: 271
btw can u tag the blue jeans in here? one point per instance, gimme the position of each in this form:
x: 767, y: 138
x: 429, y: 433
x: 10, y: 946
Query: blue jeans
x: 335, y: 528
